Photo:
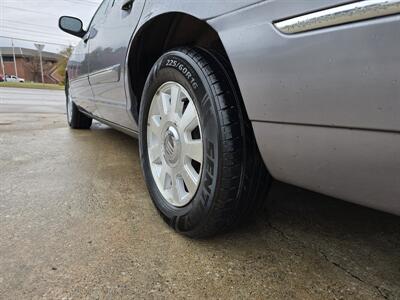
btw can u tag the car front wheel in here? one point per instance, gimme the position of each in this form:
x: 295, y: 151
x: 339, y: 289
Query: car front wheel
x: 75, y: 118
x: 198, y: 153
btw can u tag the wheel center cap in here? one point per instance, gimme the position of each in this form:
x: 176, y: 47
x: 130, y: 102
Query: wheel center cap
x: 171, y: 145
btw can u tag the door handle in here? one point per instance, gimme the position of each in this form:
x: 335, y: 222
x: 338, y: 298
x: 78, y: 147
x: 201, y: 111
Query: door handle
x: 128, y: 4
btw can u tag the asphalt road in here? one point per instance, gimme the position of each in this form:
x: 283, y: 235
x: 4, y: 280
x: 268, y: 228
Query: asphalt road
x: 76, y: 221
x: 19, y: 100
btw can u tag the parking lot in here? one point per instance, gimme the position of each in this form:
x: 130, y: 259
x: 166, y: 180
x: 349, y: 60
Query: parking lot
x: 76, y: 221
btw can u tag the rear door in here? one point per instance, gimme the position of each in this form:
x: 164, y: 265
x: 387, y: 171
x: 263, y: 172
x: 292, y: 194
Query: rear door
x: 110, y: 34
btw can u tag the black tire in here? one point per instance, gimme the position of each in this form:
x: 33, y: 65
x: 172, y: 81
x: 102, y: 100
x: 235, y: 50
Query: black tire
x: 234, y: 181
x: 78, y: 119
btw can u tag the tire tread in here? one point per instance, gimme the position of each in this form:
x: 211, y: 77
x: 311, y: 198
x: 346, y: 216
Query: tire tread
x: 239, y: 196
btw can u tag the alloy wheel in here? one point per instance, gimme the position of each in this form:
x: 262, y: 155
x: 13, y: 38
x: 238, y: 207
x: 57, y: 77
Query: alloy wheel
x: 69, y: 107
x: 174, y: 143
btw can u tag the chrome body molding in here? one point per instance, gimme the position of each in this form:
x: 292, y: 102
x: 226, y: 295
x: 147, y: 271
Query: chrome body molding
x: 110, y: 74
x: 343, y: 14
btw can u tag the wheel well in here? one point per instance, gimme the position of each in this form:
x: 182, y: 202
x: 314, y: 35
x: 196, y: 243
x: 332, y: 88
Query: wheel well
x: 161, y: 34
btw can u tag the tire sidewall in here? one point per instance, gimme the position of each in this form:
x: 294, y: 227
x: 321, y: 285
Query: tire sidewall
x: 179, y: 67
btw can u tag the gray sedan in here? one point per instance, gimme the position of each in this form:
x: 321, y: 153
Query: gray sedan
x: 226, y: 95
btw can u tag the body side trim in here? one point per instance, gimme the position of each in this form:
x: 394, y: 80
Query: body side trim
x: 343, y: 14
x: 106, y: 75
x: 123, y: 129
x: 79, y: 78
x: 326, y: 126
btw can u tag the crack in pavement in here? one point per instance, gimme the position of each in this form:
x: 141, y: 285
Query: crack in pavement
x: 352, y: 275
x: 383, y: 294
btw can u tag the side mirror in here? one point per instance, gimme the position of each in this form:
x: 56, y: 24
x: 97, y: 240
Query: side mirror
x: 72, y: 26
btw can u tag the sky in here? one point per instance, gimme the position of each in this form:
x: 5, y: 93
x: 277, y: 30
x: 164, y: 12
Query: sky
x: 38, y: 20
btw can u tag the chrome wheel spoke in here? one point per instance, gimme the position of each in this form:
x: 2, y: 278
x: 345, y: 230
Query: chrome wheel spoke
x: 174, y: 192
x: 194, y: 150
x: 163, y: 104
x: 155, y: 154
x: 189, y: 118
x: 175, y: 101
x: 165, y: 178
x: 155, y: 125
x: 190, y: 179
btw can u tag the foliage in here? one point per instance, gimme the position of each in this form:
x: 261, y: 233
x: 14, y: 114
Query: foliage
x: 62, y: 62
x: 31, y: 85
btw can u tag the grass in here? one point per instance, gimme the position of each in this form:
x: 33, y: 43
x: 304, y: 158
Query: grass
x: 32, y: 85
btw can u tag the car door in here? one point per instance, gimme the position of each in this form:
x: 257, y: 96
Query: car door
x: 110, y: 34
x: 78, y: 76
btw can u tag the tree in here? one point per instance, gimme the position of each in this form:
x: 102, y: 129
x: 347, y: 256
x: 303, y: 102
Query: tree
x: 33, y: 63
x: 62, y: 61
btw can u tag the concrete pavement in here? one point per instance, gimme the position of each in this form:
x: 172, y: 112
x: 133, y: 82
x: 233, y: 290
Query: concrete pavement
x: 76, y: 221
